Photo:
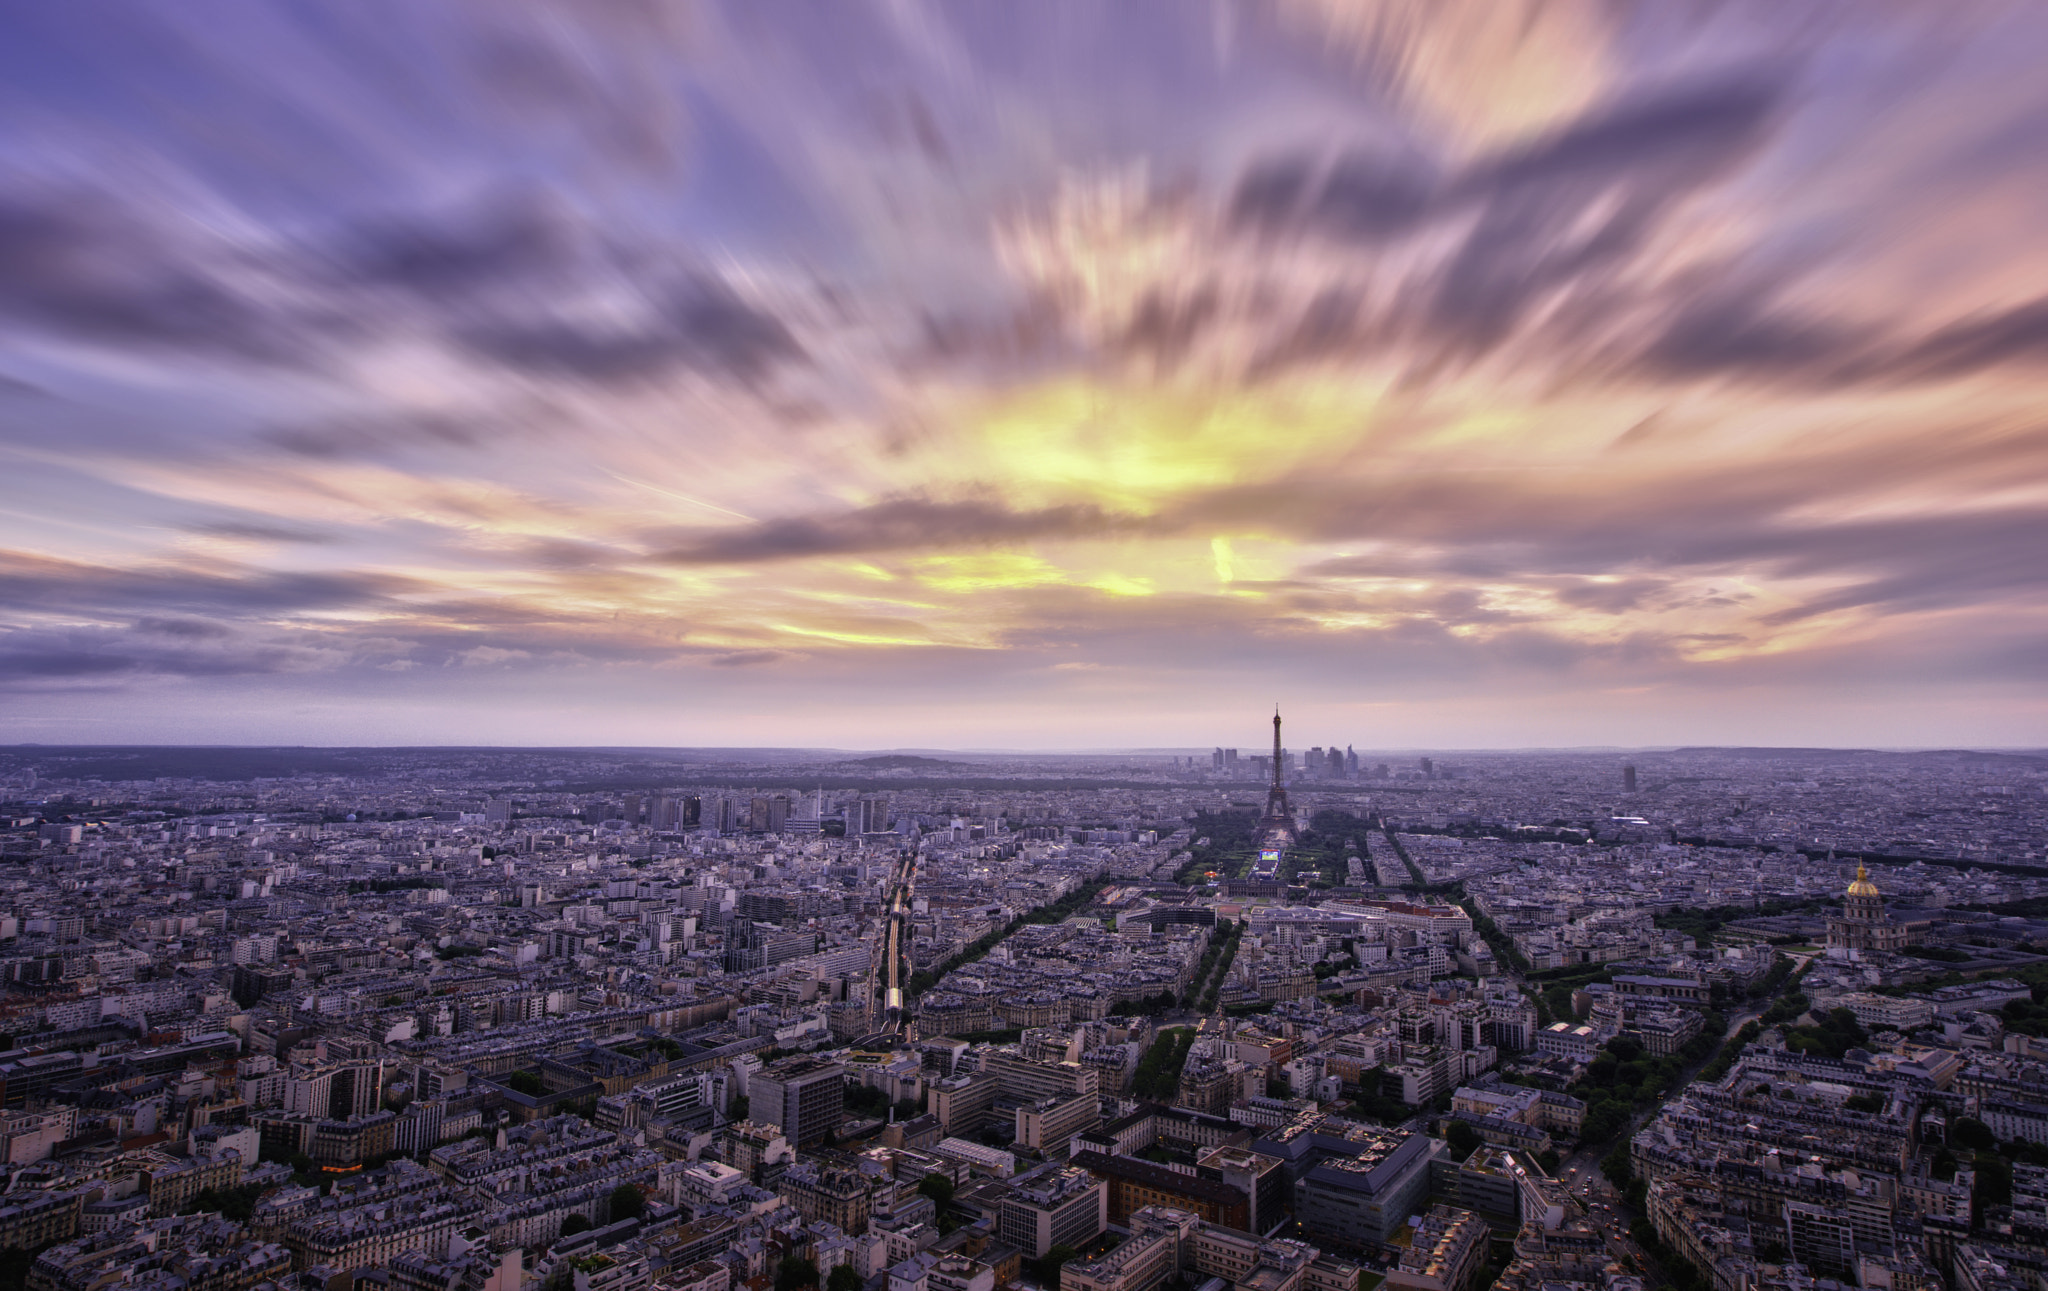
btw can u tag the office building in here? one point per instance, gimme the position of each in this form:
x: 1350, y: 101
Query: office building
x: 1354, y: 1201
x: 1046, y: 1125
x: 1068, y: 1207
x: 803, y: 1097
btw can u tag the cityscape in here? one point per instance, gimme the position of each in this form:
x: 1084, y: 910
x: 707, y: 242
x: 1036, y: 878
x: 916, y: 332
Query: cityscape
x: 506, y: 1019
x: 1023, y: 645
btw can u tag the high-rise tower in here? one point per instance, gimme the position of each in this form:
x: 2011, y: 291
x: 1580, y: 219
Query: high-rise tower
x: 1278, y: 824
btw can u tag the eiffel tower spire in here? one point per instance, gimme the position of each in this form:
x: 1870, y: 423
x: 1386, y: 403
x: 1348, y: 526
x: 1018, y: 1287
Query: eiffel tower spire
x: 1276, y: 747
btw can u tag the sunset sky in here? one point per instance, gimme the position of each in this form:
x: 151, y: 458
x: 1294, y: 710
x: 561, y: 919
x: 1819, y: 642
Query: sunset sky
x: 897, y: 373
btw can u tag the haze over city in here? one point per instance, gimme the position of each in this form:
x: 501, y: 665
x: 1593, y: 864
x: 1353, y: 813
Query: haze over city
x: 1049, y: 376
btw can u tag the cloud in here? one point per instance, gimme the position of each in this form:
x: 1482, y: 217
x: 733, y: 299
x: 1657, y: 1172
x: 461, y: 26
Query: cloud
x: 500, y: 241
x: 15, y: 387
x: 899, y: 524
x: 1678, y: 135
x: 1386, y: 252
x: 700, y: 325
x: 1731, y: 332
x: 1610, y: 598
x: 260, y: 532
x: 84, y: 266
x: 2009, y: 336
x: 33, y: 582
x: 1563, y: 214
x: 1477, y: 72
x: 198, y: 629
x: 360, y: 437
x: 488, y: 656
x: 517, y: 282
x: 747, y: 658
x: 31, y: 657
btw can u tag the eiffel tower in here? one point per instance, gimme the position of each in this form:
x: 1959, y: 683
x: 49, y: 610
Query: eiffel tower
x: 1276, y: 827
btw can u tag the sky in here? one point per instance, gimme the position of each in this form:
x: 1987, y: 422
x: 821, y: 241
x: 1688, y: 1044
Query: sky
x: 894, y: 373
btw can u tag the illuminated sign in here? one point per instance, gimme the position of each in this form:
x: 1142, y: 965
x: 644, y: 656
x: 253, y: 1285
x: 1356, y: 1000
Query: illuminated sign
x: 1271, y: 854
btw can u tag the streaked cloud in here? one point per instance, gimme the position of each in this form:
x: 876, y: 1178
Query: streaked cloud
x: 1406, y: 359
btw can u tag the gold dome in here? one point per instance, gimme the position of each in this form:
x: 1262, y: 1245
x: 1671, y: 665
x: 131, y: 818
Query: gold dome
x: 1863, y: 887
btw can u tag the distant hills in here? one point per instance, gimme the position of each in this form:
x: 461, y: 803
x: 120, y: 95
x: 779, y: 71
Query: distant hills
x: 905, y: 762
x: 2018, y: 760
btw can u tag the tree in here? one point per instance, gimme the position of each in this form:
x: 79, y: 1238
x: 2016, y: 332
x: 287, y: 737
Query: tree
x: 1618, y: 1167
x: 237, y: 1204
x: 793, y: 1273
x: 939, y: 1188
x: 14, y: 1266
x: 528, y: 1083
x: 1046, y: 1272
x: 1994, y: 1180
x: 843, y: 1278
x: 1464, y: 1140
x: 575, y: 1224
x: 1968, y: 1132
x: 628, y: 1202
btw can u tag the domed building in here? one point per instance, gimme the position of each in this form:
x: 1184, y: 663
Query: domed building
x: 1863, y: 923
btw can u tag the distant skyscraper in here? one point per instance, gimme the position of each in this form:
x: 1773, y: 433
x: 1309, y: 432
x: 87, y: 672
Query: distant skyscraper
x: 1216, y: 760
x: 1429, y: 768
x: 661, y: 813
x: 631, y: 813
x: 1628, y: 778
x: 1350, y: 762
x: 868, y: 815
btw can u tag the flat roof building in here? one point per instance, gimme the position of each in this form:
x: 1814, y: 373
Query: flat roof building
x: 803, y: 1097
x: 1357, y: 1201
x: 1068, y: 1207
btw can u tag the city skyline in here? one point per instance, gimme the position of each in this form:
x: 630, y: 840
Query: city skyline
x: 1492, y: 375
